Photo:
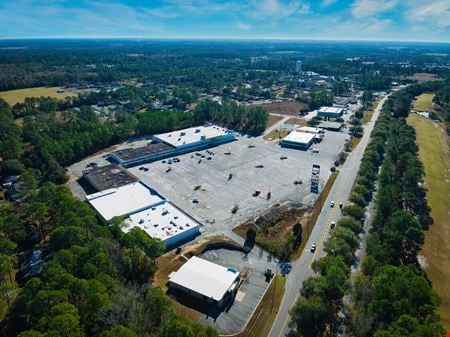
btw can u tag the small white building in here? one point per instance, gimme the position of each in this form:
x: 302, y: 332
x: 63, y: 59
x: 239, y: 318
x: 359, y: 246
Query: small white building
x: 331, y: 111
x: 206, y: 280
x: 298, y: 140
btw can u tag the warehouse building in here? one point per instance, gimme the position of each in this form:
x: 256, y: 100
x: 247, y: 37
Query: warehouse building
x: 165, y: 222
x: 107, y: 177
x: 142, y: 206
x: 134, y: 156
x: 174, y: 143
x: 298, y: 140
x: 196, y: 138
x: 206, y: 281
x: 331, y: 112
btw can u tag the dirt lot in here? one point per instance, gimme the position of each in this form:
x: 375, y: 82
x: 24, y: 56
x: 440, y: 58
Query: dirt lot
x: 273, y: 120
x: 297, y: 121
x: 284, y: 108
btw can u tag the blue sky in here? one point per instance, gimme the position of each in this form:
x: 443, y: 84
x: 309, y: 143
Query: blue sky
x: 423, y: 20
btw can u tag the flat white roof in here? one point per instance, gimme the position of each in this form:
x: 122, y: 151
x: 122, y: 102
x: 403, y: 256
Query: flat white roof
x: 123, y: 200
x: 163, y: 221
x: 308, y: 129
x: 192, y: 135
x: 331, y: 109
x: 205, y: 278
x: 299, y: 137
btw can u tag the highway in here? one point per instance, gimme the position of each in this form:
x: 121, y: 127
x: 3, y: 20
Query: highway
x: 340, y: 191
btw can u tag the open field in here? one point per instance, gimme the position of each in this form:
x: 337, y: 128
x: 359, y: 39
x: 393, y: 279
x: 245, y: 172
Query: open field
x: 423, y: 102
x: 297, y: 121
x: 273, y: 120
x: 19, y: 95
x: 284, y: 108
x: 434, y: 154
x: 261, y: 321
x: 423, y: 77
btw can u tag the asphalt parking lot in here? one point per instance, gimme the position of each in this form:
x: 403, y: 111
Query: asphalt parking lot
x: 208, y: 190
x: 249, y: 294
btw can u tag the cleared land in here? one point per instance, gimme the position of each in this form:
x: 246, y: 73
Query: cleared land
x: 284, y: 108
x: 19, y: 95
x: 273, y: 120
x: 423, y: 102
x: 296, y: 121
x: 423, y: 77
x: 434, y: 154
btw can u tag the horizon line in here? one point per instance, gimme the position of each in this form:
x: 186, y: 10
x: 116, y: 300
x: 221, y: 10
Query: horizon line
x: 205, y: 38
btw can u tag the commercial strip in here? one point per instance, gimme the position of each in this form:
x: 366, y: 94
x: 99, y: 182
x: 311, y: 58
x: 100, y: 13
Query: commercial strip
x: 174, y: 143
x: 107, y: 177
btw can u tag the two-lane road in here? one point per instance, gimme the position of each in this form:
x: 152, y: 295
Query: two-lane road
x: 302, y: 268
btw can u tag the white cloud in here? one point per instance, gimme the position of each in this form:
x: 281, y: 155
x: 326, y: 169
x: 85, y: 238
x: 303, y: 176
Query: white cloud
x: 304, y: 9
x: 436, y: 13
x: 243, y: 26
x: 367, y: 8
x: 274, y: 8
x: 326, y: 3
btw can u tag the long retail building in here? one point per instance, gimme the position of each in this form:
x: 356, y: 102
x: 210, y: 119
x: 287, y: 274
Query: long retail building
x: 174, y: 143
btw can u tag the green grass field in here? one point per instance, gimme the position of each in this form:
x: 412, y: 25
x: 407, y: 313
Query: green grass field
x: 423, y: 102
x: 19, y: 95
x: 423, y: 77
x: 434, y: 154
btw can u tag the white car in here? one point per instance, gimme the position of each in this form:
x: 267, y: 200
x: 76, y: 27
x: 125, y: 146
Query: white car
x: 332, y: 203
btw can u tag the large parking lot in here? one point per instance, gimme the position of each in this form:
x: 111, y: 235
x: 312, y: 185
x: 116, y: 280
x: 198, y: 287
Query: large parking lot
x: 208, y: 190
x: 203, y: 188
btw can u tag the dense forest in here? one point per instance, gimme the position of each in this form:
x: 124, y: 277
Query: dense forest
x: 202, y: 64
x: 392, y: 296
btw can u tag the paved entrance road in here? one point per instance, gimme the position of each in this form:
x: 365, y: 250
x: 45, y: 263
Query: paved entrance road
x: 301, y: 268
